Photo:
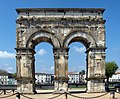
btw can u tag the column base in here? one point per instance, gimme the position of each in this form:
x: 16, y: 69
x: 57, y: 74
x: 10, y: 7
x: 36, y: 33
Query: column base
x: 26, y: 86
x: 61, y: 86
x: 95, y: 86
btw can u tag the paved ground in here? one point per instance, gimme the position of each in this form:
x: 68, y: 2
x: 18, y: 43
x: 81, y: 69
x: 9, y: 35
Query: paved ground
x: 46, y: 95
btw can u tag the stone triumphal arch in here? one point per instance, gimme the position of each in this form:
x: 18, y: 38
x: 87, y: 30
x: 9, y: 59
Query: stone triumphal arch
x: 60, y: 27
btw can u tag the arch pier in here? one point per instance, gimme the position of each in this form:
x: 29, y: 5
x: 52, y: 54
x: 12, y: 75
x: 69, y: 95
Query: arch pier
x: 60, y: 27
x: 61, y: 69
x: 25, y: 70
x: 95, y: 70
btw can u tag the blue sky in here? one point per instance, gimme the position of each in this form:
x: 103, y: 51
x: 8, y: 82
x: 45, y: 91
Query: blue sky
x: 44, y: 53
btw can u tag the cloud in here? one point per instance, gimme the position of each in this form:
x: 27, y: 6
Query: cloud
x: 42, y: 52
x: 5, y: 54
x: 79, y: 49
x: 52, y: 68
x: 6, y: 64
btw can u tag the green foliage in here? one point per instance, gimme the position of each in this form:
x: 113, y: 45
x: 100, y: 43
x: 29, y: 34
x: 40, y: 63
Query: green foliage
x: 14, y: 75
x: 110, y: 69
x: 82, y: 72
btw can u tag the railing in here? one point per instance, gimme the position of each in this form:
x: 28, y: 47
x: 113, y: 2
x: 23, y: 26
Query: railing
x: 3, y: 95
x: 75, y: 96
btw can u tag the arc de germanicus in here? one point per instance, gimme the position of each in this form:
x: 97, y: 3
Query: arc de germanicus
x: 60, y: 27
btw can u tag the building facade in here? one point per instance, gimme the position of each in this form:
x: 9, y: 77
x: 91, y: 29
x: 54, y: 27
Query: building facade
x: 115, y: 77
x: 7, y: 79
x: 12, y: 81
x: 76, y: 77
x: 4, y: 79
x: 42, y: 78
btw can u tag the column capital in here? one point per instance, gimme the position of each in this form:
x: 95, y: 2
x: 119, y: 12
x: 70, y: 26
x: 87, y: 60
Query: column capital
x: 60, y: 49
x: 25, y: 50
x: 18, y: 56
x: 96, y: 48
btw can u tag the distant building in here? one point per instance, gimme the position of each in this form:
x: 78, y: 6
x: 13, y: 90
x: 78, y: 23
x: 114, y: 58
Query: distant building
x: 76, y: 77
x: 42, y: 78
x: 115, y: 77
x: 4, y: 79
x: 12, y: 81
x: 7, y: 79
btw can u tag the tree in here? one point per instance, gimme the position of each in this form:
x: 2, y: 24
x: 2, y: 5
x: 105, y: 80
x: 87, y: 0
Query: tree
x: 110, y: 69
x: 82, y: 72
x: 13, y: 75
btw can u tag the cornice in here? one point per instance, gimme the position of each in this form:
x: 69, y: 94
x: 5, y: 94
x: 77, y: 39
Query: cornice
x: 92, y: 10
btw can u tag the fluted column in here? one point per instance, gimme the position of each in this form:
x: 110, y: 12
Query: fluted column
x: 25, y: 70
x: 61, y: 69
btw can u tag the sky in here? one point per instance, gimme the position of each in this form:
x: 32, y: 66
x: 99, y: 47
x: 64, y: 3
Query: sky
x: 44, y: 52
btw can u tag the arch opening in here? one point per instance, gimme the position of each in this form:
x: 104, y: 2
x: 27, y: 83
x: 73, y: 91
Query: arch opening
x: 44, y: 60
x: 81, y: 42
x: 77, y: 66
x: 43, y: 44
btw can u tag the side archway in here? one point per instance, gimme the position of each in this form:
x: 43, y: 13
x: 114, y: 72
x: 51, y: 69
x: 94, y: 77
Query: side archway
x: 26, y: 60
x: 93, y: 58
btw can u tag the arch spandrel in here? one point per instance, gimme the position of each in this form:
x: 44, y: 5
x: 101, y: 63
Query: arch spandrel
x: 42, y: 36
x: 80, y: 36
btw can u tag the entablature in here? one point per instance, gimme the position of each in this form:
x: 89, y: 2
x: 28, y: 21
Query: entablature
x: 60, y: 11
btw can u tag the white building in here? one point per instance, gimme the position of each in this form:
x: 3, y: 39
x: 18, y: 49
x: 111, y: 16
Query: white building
x: 115, y: 77
x: 4, y: 79
x: 42, y: 78
x: 12, y: 81
x: 76, y: 77
x: 7, y: 79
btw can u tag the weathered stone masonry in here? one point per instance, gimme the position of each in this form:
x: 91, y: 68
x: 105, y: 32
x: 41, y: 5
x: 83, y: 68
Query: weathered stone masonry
x: 60, y: 27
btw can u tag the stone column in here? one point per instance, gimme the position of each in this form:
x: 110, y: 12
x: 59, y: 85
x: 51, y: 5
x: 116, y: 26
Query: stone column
x: 61, y: 69
x: 25, y: 70
x: 96, y: 70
